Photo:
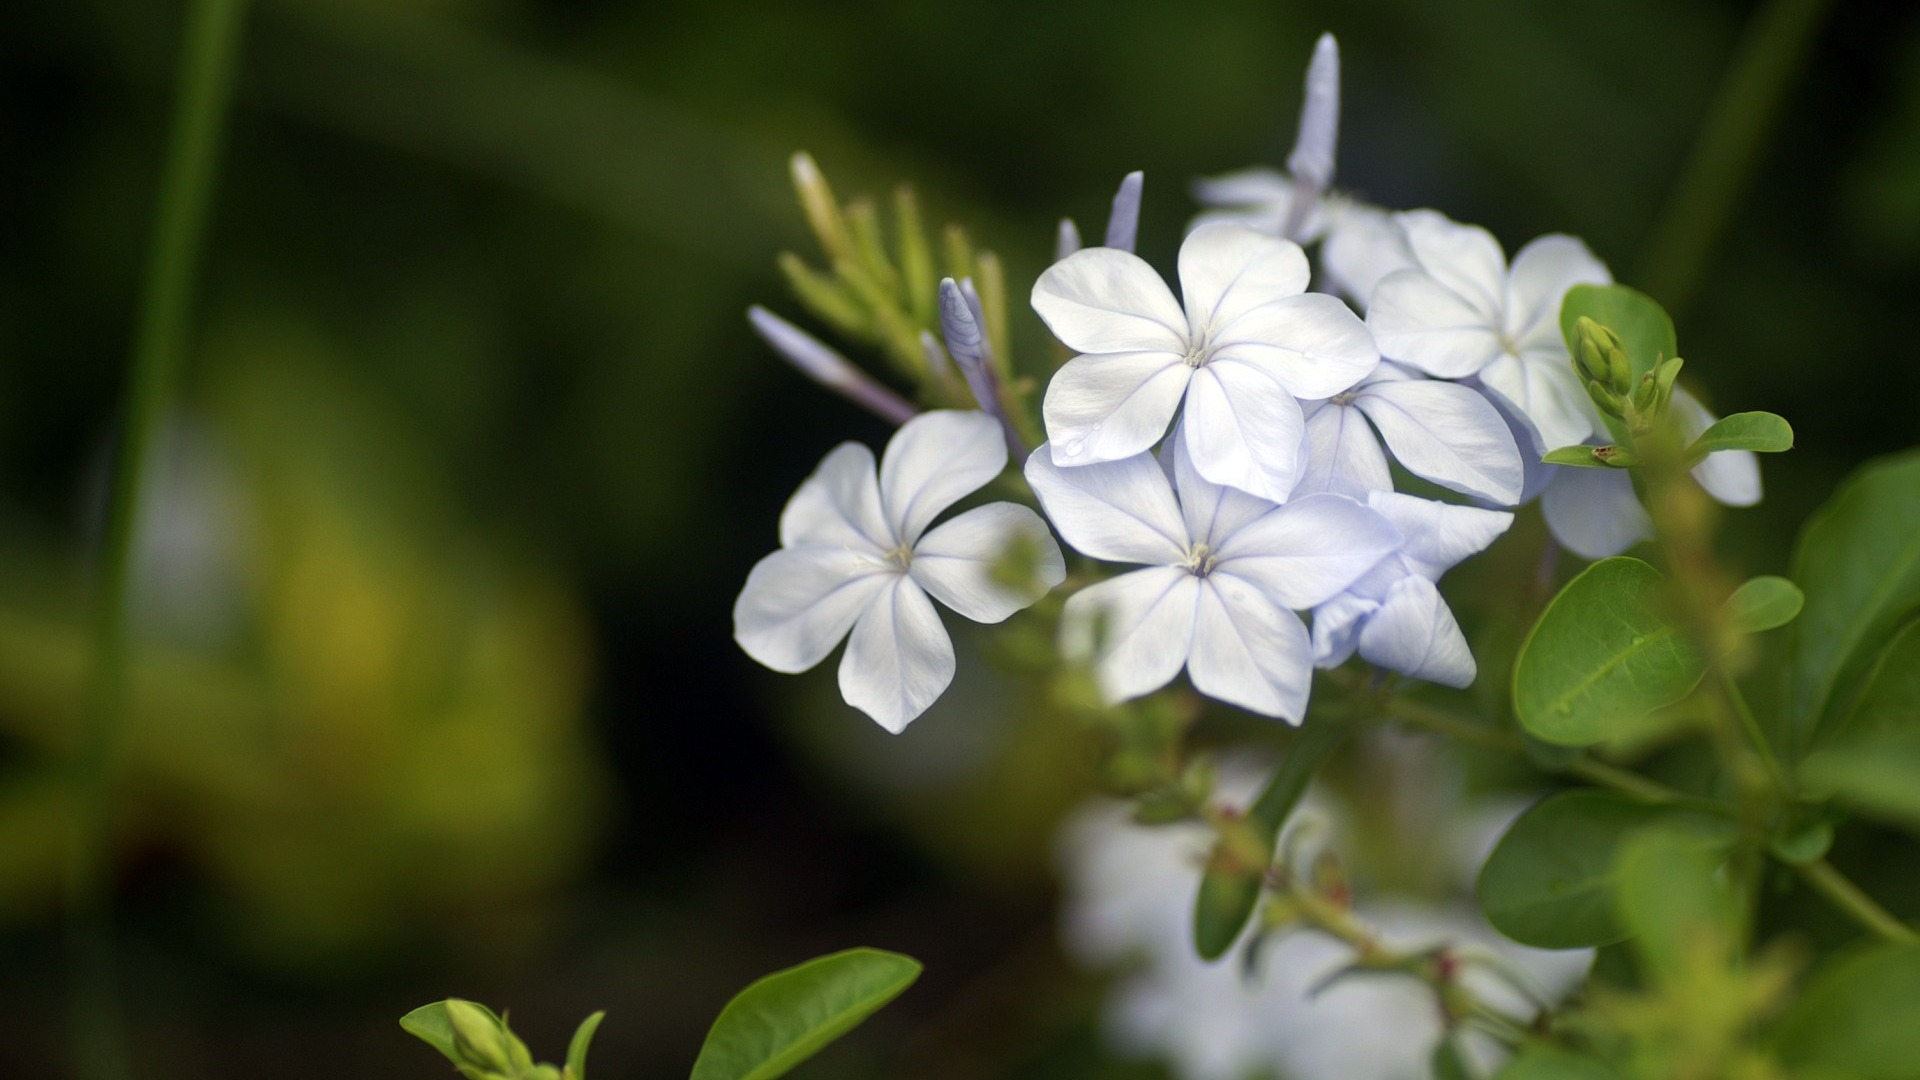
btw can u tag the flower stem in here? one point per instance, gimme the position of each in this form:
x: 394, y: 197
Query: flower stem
x: 1717, y: 172
x: 204, y: 87
x: 1860, y: 907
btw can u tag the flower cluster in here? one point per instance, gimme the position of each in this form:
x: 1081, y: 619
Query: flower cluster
x: 1234, y: 443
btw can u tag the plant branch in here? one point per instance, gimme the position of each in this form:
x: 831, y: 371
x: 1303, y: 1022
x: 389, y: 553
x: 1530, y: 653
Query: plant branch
x: 1850, y: 898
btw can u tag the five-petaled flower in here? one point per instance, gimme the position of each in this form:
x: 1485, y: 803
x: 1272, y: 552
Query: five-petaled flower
x: 1393, y: 616
x: 1458, y: 311
x: 1224, y: 573
x: 856, y: 555
x: 1248, y: 345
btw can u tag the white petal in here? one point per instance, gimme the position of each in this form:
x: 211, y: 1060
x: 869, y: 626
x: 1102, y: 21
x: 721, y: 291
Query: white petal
x: 1418, y: 320
x: 1142, y: 623
x: 955, y: 561
x: 935, y: 460
x: 1414, y: 633
x: 1211, y: 511
x: 1362, y: 247
x: 1731, y: 476
x: 838, y: 505
x: 1336, y: 628
x: 1343, y: 455
x: 1111, y: 406
x: 899, y: 659
x: 1228, y: 270
x: 1121, y: 511
x: 1249, y: 651
x: 1243, y: 430
x: 1542, y: 273
x: 1546, y: 395
x: 1102, y: 300
x: 1464, y: 258
x: 1448, y: 434
x: 799, y: 602
x: 1308, y: 550
x: 1435, y: 536
x: 1313, y: 344
x: 1319, y: 134
x: 1594, y: 512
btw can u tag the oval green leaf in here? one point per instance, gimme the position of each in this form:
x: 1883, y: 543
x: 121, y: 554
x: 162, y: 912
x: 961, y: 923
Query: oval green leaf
x: 1602, y: 657
x: 1856, y: 1018
x: 788, y: 1016
x: 1758, y: 431
x: 1550, y: 880
x: 1877, y: 774
x: 1765, y: 603
x: 1858, y: 561
x: 1229, y: 893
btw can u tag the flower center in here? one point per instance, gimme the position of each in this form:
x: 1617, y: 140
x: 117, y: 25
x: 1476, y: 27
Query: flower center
x: 1345, y: 398
x: 1201, y: 560
x: 899, y: 558
x: 1200, y: 350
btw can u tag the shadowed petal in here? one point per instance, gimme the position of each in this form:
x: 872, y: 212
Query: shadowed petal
x: 899, y: 658
x: 1343, y: 455
x: 1244, y: 430
x: 1435, y: 536
x: 1122, y: 511
x: 1142, y: 625
x: 1211, y: 511
x: 1417, y: 320
x: 1448, y: 434
x: 1336, y: 628
x: 1113, y: 405
x: 1594, y: 512
x: 955, y: 561
x: 1542, y: 390
x: 1414, y: 633
x: 1464, y: 258
x: 1249, y: 651
x: 1309, y: 550
x: 1542, y: 273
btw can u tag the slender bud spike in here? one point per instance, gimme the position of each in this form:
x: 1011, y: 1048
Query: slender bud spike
x: 822, y: 210
x: 964, y: 326
x: 828, y: 368
x: 1067, y: 240
x: 1313, y: 147
x: 1123, y: 226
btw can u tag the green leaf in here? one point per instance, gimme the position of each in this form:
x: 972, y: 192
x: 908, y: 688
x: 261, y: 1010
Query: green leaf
x: 1859, y: 562
x: 1759, y: 431
x: 1229, y: 892
x: 1888, y: 698
x: 1856, y: 1018
x: 788, y: 1016
x: 1877, y: 774
x: 430, y: 1025
x: 1673, y: 902
x: 1591, y: 457
x: 1646, y: 333
x: 1602, y: 657
x: 1549, y: 881
x: 1765, y: 603
x: 1539, y: 1061
x: 1449, y: 1062
x: 577, y: 1049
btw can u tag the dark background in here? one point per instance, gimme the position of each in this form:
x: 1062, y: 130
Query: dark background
x: 471, y: 351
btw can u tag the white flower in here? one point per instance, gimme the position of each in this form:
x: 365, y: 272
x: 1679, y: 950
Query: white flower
x: 1442, y: 431
x: 1460, y: 312
x: 1249, y: 343
x: 1128, y: 904
x: 1225, y: 573
x: 1395, y: 616
x: 855, y: 554
x: 1595, y: 513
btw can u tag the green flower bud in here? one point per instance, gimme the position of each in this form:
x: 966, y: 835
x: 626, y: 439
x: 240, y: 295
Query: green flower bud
x: 478, y: 1037
x: 1644, y: 394
x: 1619, y: 371
x: 1590, y: 359
x: 1663, y: 379
x: 1606, y: 402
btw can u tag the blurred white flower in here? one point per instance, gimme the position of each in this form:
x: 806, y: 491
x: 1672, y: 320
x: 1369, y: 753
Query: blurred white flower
x: 1459, y: 312
x: 1395, y: 616
x: 1128, y: 906
x: 1248, y: 344
x: 1225, y: 573
x: 1442, y: 431
x: 856, y: 555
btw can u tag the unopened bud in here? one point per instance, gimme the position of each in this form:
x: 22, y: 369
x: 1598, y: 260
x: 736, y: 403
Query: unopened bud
x: 1644, y: 394
x: 1663, y: 379
x: 1619, y: 372
x: 821, y: 208
x: 478, y: 1038
x: 1604, y: 400
x: 1591, y: 360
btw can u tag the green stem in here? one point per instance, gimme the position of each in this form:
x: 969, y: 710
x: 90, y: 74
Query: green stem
x: 205, y: 82
x: 1848, y: 897
x: 1724, y: 156
x: 1783, y: 783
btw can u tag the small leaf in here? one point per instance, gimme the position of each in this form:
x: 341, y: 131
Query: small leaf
x: 577, y: 1049
x: 1229, y: 892
x: 1762, y: 432
x: 1888, y: 695
x: 1592, y: 457
x: 1877, y: 774
x: 1859, y: 561
x: 1764, y: 603
x: 788, y: 1016
x: 1539, y: 1061
x: 1549, y: 881
x: 1856, y: 1018
x: 430, y: 1025
x: 1602, y: 657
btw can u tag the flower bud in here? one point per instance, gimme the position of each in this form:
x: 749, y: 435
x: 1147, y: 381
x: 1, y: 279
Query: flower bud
x: 478, y: 1037
x: 1606, y: 402
x: 1619, y: 372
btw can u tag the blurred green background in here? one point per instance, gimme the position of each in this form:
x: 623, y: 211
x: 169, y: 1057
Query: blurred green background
x: 436, y: 692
